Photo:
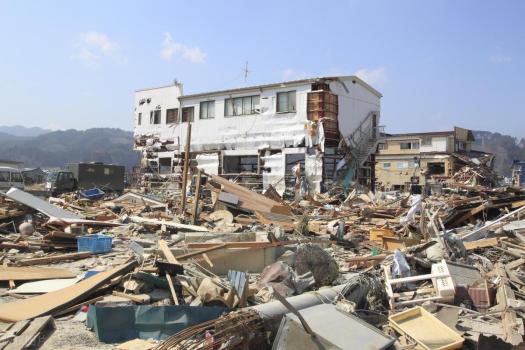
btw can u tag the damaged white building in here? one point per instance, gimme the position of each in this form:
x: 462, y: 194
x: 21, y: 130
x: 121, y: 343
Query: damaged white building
x: 320, y: 129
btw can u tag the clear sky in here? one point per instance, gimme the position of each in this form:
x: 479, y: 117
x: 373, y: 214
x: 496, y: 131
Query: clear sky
x: 76, y: 64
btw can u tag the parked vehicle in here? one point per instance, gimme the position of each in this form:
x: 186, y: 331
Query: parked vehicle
x: 10, y: 177
x: 86, y: 176
x: 61, y: 182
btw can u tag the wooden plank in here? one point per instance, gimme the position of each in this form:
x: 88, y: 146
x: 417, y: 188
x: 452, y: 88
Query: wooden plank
x: 163, y: 246
x: 141, y: 299
x: 201, y: 251
x: 32, y: 273
x: 482, y: 243
x: 54, y: 301
x: 24, y: 340
x: 54, y: 258
x: 172, y: 290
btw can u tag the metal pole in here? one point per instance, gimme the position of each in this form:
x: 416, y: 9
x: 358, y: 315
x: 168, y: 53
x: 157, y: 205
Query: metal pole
x: 195, y: 213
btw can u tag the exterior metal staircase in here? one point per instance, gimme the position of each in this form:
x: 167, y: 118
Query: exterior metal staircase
x: 362, y: 144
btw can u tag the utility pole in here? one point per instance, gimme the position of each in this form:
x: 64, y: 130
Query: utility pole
x: 246, y: 71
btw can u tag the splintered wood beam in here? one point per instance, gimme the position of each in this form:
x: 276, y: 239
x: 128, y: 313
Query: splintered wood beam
x: 195, y: 213
x: 185, y: 169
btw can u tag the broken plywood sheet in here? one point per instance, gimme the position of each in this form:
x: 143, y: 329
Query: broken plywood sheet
x: 57, y: 300
x: 47, y: 286
x: 250, y: 200
x: 32, y: 273
x: 40, y: 205
x: 141, y: 220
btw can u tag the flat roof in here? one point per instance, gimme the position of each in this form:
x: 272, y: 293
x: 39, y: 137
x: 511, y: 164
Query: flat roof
x: 273, y: 85
x: 414, y: 134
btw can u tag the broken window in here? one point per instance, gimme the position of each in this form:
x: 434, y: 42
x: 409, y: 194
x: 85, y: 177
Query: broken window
x: 436, y: 168
x: 187, y: 114
x: 242, y: 106
x: 292, y: 160
x: 154, y: 116
x: 172, y: 116
x: 207, y: 110
x: 239, y: 164
x: 139, y: 119
x: 4, y: 176
x: 286, y: 102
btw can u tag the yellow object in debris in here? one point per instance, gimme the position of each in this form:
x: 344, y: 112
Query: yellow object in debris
x: 377, y: 234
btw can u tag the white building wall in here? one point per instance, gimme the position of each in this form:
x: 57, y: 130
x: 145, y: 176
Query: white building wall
x: 354, y: 105
x: 439, y: 144
x: 268, y: 129
x: 165, y: 97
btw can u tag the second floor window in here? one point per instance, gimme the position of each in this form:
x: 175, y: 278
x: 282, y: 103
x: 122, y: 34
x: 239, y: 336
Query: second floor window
x: 207, y: 110
x: 409, y: 145
x: 172, y: 116
x: 242, y: 105
x: 154, y: 116
x: 187, y: 114
x: 286, y: 102
x: 139, y: 119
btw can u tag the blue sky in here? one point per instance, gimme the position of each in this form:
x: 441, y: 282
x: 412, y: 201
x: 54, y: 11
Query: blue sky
x: 73, y: 64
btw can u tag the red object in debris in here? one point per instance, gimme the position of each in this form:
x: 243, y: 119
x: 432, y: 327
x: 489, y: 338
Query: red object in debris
x: 84, y: 308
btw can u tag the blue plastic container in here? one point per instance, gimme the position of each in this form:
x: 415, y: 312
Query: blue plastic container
x: 95, y: 244
x: 93, y: 194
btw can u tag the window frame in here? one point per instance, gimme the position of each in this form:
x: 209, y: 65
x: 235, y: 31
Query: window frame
x: 153, y: 115
x: 139, y: 118
x: 288, y: 94
x: 233, y: 102
x: 182, y: 116
x: 387, y: 165
x: 176, y: 120
x: 207, y: 105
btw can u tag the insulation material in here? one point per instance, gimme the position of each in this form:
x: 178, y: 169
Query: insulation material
x: 313, y: 168
x: 275, y: 177
x: 260, y: 131
x: 209, y: 163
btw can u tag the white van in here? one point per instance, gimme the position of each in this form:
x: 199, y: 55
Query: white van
x: 10, y: 177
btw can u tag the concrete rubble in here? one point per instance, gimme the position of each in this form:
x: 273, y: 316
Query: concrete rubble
x: 225, y: 267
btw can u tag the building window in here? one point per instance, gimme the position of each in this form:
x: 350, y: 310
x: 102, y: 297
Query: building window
x: 409, y: 145
x: 240, y: 164
x: 461, y: 146
x: 187, y: 114
x: 426, y: 141
x: 382, y: 146
x: 286, y: 102
x: 386, y: 165
x: 139, y: 119
x: 242, y: 105
x: 154, y: 116
x: 436, y: 168
x: 207, y: 110
x: 172, y: 116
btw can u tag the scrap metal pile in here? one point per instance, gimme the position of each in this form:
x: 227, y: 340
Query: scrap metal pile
x: 230, y: 268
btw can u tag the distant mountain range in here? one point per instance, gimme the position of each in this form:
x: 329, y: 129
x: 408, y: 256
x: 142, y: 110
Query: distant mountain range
x: 38, y: 147
x: 18, y: 130
x: 44, y: 148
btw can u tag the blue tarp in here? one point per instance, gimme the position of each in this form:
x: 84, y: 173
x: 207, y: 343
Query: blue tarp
x: 118, y: 324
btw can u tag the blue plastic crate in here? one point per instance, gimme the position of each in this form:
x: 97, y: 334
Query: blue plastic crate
x: 95, y: 244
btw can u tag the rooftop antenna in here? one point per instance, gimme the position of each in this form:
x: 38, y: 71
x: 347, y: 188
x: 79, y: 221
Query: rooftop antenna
x: 246, y: 71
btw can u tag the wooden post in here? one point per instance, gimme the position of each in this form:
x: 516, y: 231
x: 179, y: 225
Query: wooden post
x: 195, y: 213
x: 186, y: 166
